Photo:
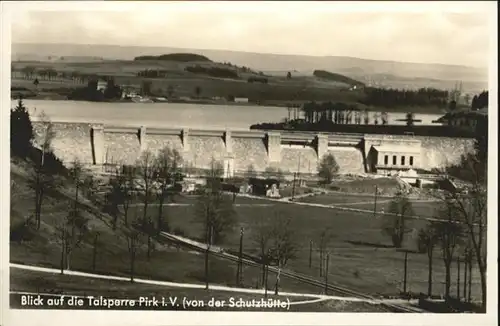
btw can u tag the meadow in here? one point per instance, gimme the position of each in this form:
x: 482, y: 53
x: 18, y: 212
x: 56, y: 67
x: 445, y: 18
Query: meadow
x: 361, y: 255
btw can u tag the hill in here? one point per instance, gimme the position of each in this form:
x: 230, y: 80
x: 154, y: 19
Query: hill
x: 336, y: 77
x: 179, y: 57
x: 371, y: 72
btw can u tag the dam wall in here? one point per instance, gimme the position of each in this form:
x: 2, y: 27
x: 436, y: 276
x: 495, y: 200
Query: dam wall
x: 239, y: 151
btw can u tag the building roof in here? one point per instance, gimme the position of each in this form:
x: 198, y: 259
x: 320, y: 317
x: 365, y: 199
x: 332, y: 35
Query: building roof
x: 397, y: 149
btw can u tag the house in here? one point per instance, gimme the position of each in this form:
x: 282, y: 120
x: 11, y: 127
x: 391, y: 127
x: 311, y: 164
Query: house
x: 472, y: 120
x: 241, y: 99
x: 385, y: 159
x: 102, y: 85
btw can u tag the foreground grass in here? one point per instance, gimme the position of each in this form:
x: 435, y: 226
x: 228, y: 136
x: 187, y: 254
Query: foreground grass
x: 361, y: 255
x: 165, y: 262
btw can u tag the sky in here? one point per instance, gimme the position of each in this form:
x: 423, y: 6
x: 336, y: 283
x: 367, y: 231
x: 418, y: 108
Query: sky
x: 398, y: 31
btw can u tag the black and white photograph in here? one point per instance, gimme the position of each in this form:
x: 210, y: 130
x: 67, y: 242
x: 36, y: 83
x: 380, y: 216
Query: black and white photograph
x: 174, y: 159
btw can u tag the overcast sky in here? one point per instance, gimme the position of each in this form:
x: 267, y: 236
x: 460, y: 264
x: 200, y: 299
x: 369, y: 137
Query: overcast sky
x: 317, y: 28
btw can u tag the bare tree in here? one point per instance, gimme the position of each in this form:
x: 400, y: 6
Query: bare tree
x: 214, y: 208
x: 168, y: 166
x: 470, y: 207
x: 77, y: 224
x: 261, y: 235
x: 134, y: 237
x: 147, y: 173
x: 283, y: 244
x: 449, y: 234
x: 251, y: 173
x: 215, y: 211
x: 427, y: 240
x: 324, y: 239
x: 42, y: 178
x: 395, y: 226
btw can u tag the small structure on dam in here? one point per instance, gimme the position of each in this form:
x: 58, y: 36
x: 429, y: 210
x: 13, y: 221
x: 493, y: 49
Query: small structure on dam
x: 240, y: 151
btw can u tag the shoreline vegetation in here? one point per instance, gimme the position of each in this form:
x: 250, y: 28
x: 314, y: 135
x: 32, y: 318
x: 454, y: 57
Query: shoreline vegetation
x: 193, y: 78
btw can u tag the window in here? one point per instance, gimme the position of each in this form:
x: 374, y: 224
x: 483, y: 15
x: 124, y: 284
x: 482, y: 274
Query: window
x: 402, y: 160
x: 411, y: 160
x: 394, y: 160
x: 386, y: 159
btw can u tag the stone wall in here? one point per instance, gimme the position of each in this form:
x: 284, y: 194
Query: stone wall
x: 349, y: 159
x: 443, y: 151
x: 121, y: 148
x: 202, y: 149
x: 70, y: 142
x: 295, y: 159
x: 239, y: 150
x: 155, y: 143
x: 250, y: 152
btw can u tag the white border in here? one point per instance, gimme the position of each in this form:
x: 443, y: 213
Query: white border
x: 37, y: 317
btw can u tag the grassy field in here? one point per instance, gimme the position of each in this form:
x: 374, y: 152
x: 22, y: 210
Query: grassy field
x: 165, y: 263
x: 184, y: 83
x: 424, y: 208
x: 361, y: 256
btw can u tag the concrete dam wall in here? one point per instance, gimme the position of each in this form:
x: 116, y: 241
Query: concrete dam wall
x: 238, y: 150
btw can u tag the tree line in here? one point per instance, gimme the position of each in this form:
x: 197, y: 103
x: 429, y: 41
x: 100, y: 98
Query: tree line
x: 213, y: 71
x: 480, y: 101
x: 393, y: 98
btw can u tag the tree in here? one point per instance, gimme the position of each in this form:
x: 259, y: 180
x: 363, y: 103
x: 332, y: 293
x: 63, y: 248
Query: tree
x: 289, y: 75
x: 134, y: 237
x: 410, y: 119
x: 384, y: 117
x: 262, y: 232
x: 449, y: 234
x: 146, y: 87
x: 21, y: 131
x: 275, y: 239
x: 215, y: 211
x: 197, y: 91
x: 400, y: 208
x: 76, y: 223
x: 283, y: 244
x: 324, y: 239
x: 327, y: 168
x: 251, y: 173
x: 168, y: 166
x: 470, y: 210
x: 42, y: 178
x: 170, y: 91
x: 426, y: 241
x: 147, y: 174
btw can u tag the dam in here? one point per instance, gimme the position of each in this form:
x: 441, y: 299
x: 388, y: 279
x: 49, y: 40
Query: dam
x: 97, y: 145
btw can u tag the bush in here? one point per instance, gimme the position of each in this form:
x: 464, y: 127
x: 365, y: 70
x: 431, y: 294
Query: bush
x: 328, y: 167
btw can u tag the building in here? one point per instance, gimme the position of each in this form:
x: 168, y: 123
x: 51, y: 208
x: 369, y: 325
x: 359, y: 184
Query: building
x: 102, y: 85
x: 386, y: 159
x: 466, y: 119
x: 241, y: 99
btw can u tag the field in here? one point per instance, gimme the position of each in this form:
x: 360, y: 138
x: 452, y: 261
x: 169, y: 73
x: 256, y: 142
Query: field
x: 183, y: 83
x: 361, y: 256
